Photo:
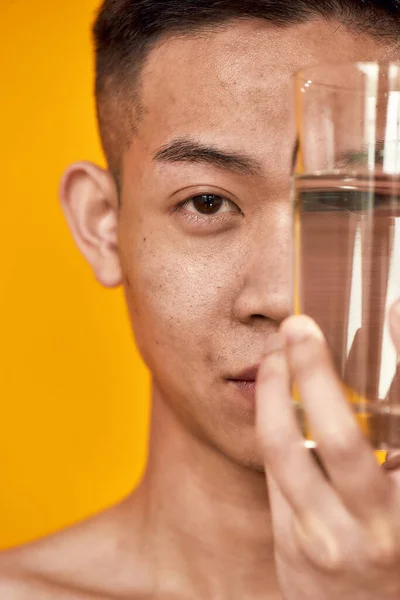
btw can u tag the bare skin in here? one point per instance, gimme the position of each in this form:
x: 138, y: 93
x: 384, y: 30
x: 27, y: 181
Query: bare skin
x: 206, y: 298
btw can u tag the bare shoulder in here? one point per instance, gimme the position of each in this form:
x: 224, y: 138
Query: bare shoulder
x: 30, y: 588
x: 13, y: 587
x: 66, y: 550
x: 95, y: 559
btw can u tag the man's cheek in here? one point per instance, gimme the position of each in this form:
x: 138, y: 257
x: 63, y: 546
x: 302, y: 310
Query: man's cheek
x: 170, y: 321
x: 181, y: 291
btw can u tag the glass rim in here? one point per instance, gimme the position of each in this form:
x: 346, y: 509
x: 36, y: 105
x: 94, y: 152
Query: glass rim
x: 317, y: 75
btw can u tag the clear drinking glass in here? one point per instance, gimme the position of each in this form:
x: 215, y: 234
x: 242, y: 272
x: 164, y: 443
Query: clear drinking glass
x: 346, y: 194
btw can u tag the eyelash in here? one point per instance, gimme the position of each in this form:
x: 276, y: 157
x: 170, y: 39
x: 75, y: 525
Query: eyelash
x: 195, y: 217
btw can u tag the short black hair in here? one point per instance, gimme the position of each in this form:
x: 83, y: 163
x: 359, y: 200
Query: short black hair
x: 125, y: 31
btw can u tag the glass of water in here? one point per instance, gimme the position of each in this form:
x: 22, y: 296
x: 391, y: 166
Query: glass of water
x: 346, y: 197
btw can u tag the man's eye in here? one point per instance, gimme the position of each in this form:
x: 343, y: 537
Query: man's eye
x: 209, y: 204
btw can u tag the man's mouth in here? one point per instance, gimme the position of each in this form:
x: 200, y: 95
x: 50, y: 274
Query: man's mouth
x: 249, y: 374
x: 245, y: 382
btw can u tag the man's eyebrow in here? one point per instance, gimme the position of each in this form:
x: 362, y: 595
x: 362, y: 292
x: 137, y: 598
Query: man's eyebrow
x: 187, y: 150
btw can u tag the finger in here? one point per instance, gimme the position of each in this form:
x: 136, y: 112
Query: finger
x: 392, y: 462
x: 345, y: 452
x: 392, y: 468
x: 317, y: 538
x: 287, y: 459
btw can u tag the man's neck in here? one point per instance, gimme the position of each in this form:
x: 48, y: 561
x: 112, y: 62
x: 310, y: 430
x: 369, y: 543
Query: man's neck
x: 208, y: 521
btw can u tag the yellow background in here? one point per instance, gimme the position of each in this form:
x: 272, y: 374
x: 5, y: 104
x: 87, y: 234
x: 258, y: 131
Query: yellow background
x: 73, y: 391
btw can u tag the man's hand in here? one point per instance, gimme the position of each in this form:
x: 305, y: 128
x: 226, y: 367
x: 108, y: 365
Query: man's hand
x: 337, y: 534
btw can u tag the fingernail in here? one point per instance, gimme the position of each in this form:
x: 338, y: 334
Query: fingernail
x: 298, y: 329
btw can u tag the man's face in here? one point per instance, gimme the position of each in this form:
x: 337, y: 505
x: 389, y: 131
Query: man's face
x: 205, y: 240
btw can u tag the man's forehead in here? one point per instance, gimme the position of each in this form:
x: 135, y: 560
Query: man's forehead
x: 240, y: 56
x: 221, y: 83
x: 243, y: 64
x: 231, y: 87
x: 252, y: 50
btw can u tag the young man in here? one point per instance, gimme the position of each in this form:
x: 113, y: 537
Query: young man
x: 193, y: 219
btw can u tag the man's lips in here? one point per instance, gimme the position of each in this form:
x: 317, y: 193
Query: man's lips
x: 245, y: 382
x: 249, y: 374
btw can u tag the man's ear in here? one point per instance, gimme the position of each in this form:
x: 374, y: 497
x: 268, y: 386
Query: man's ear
x: 90, y: 203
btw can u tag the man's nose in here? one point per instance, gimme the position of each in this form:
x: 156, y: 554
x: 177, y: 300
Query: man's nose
x: 266, y: 285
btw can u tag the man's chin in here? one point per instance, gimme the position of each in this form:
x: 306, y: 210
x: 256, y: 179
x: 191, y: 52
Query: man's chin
x: 251, y: 463
x: 257, y: 467
x: 245, y: 456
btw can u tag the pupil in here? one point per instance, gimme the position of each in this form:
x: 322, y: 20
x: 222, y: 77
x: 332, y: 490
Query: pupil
x: 207, y: 204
